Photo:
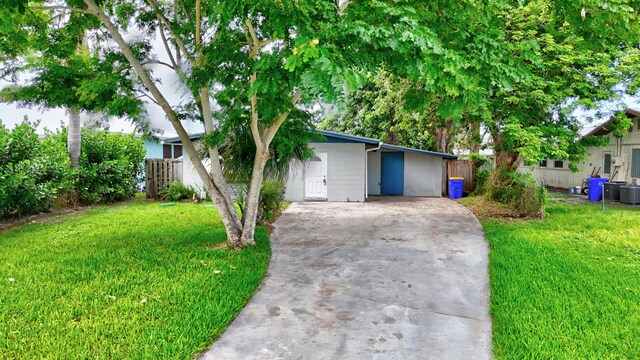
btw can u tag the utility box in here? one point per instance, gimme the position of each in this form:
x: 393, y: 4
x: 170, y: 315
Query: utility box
x: 630, y: 194
x: 612, y: 190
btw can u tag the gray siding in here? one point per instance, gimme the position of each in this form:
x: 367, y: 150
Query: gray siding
x: 373, y: 172
x: 295, y: 182
x: 422, y: 175
x: 345, y: 173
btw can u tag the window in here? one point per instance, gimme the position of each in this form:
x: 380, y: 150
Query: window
x: 166, y: 151
x: 635, y: 163
x: 543, y: 163
x: 177, y: 151
x: 638, y: 124
x: 558, y: 164
x: 607, y: 163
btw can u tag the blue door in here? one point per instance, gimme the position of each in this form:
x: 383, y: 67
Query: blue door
x: 392, y: 182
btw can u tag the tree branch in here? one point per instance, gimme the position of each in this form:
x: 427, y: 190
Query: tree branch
x: 167, y: 24
x: 159, y: 63
x: 145, y: 95
x: 342, y: 7
x: 273, y: 128
x: 198, y: 24
x: 255, y: 132
x: 63, y: 8
x: 252, y: 32
x: 166, y: 46
x: 257, y: 43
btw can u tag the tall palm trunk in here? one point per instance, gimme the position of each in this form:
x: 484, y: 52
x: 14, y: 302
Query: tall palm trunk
x: 73, y: 137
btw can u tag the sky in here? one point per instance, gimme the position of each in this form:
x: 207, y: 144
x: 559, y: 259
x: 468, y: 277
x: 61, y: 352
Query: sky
x: 11, y: 114
x: 174, y: 92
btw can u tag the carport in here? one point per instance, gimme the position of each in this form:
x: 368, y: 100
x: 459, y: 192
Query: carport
x: 351, y: 168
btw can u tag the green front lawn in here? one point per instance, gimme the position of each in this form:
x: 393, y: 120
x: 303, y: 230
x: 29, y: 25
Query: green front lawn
x: 567, y: 287
x: 135, y: 281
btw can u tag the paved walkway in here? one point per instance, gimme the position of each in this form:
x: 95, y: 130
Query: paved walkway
x: 393, y: 278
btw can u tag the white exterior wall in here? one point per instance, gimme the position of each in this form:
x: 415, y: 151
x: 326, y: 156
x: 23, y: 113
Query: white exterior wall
x: 565, y: 178
x: 189, y: 175
x: 422, y: 175
x: 295, y: 182
x: 345, y: 173
x: 373, y: 172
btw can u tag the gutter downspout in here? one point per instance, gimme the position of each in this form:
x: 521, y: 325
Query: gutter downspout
x: 366, y: 169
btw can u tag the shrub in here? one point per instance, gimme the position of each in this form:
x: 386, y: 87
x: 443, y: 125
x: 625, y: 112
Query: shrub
x: 110, y: 166
x: 482, y: 176
x: 271, y: 199
x: 482, y: 167
x: 32, y: 172
x: 518, y: 191
x: 176, y: 191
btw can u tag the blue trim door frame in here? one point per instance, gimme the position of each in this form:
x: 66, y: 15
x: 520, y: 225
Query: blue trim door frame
x: 392, y: 173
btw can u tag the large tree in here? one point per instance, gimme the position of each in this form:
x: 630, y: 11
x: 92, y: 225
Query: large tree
x: 571, y: 56
x: 52, y: 66
x: 379, y: 110
x: 261, y: 60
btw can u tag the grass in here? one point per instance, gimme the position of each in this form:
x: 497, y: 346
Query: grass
x: 136, y: 281
x: 567, y: 287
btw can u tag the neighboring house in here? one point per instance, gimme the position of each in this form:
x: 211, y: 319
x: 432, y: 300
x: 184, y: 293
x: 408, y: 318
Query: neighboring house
x: 160, y: 150
x: 620, y: 159
x: 350, y: 168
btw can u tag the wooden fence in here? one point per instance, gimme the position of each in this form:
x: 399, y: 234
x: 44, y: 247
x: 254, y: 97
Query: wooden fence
x: 159, y: 173
x: 459, y: 168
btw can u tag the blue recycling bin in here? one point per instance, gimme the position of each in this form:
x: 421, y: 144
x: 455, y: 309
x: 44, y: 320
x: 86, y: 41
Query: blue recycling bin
x: 595, y: 188
x: 456, y: 185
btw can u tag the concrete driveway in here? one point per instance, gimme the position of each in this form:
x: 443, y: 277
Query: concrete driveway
x: 393, y: 278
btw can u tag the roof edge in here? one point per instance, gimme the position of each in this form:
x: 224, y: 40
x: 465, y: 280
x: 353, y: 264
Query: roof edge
x: 631, y: 113
x: 418, y: 151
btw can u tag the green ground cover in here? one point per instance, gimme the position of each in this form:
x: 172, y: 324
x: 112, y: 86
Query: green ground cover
x: 133, y: 281
x: 567, y: 287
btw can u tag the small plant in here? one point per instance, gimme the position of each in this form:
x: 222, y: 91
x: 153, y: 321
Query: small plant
x: 518, y: 191
x: 176, y: 191
x: 271, y: 198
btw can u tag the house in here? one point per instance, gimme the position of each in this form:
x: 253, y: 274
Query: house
x: 352, y: 168
x: 620, y: 159
x: 160, y: 150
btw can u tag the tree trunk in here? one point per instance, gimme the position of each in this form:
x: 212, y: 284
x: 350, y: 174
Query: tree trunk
x: 475, y: 138
x: 252, y: 202
x: 73, y: 137
x: 508, y: 160
x: 230, y: 221
x: 442, y: 140
x: 217, y: 173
